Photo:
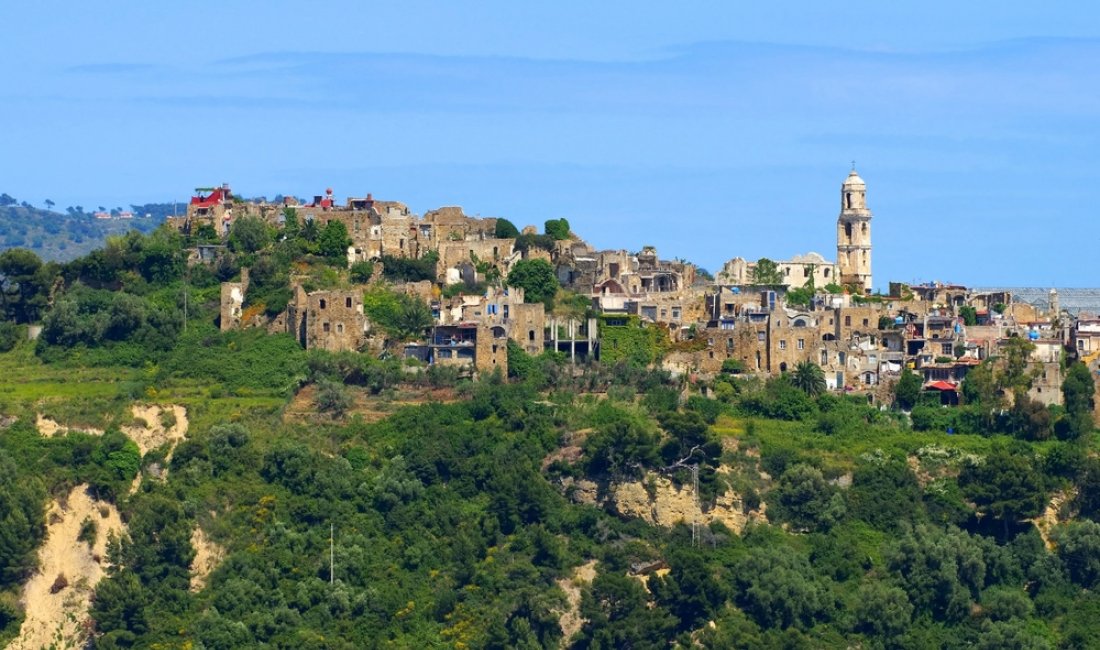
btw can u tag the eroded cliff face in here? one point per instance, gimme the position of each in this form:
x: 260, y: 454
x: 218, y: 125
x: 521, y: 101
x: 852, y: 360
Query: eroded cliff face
x: 57, y: 598
x: 656, y: 500
x: 669, y: 505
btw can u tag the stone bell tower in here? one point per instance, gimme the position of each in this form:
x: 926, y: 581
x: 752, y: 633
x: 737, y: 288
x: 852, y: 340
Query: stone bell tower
x: 853, y: 233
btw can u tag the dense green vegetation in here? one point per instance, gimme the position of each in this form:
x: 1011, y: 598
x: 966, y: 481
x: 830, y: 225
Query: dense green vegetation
x: 455, y: 505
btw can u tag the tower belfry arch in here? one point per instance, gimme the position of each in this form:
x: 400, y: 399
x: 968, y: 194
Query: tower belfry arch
x: 853, y: 233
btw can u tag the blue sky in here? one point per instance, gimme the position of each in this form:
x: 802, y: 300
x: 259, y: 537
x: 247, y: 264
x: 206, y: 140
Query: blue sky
x: 707, y: 129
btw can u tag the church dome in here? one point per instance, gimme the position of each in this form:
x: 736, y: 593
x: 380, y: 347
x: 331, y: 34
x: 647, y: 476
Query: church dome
x: 854, y: 180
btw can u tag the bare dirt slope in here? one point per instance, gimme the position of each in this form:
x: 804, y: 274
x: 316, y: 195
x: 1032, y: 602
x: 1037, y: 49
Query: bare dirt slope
x: 148, y: 431
x: 50, y: 427
x: 208, y: 556
x: 571, y: 620
x: 56, y: 615
x: 154, y: 434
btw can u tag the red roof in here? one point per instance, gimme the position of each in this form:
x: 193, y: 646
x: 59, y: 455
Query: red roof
x: 216, y: 197
x: 942, y: 385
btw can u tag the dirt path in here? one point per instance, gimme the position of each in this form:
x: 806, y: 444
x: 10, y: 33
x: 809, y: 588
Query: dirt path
x: 56, y: 614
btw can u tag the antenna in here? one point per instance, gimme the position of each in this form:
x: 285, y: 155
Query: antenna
x: 331, y: 555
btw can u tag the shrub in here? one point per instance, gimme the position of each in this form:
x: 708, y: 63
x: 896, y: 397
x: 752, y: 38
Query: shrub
x: 88, y: 532
x: 332, y: 398
x: 10, y: 335
x: 361, y: 272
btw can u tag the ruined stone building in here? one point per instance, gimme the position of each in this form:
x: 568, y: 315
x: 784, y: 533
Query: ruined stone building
x: 524, y: 323
x: 617, y: 272
x: 797, y: 272
x: 232, y: 303
x: 472, y: 345
x: 330, y: 320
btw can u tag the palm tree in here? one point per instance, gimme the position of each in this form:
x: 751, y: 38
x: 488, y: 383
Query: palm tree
x: 809, y: 377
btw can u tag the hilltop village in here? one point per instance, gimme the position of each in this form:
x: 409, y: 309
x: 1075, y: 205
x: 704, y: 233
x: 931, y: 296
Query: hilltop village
x: 339, y: 424
x: 764, y: 317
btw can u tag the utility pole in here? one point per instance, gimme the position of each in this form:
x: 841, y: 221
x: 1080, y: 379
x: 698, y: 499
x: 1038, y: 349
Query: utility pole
x: 186, y: 278
x: 695, y: 502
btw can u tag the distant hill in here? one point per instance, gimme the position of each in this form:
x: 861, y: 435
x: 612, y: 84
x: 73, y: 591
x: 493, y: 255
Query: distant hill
x: 66, y: 235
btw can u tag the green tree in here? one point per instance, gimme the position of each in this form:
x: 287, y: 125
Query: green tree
x: 969, y: 315
x: 942, y: 571
x: 402, y: 316
x: 248, y: 234
x: 22, y: 523
x: 882, y: 610
x: 361, y: 272
x: 1078, y: 389
x: 885, y: 494
x: 1005, y: 485
x: 617, y: 615
x: 1028, y: 419
x: 537, y: 279
x: 505, y: 229
x: 118, y: 608
x: 333, y: 398
x: 557, y: 228
x: 766, y: 272
x: 907, y: 390
x: 10, y: 335
x: 1017, y: 352
x: 407, y: 269
x: 310, y: 231
x: 25, y: 284
x: 333, y: 241
x: 805, y: 500
x: 1079, y: 548
x: 809, y: 378
x: 690, y: 590
x: 778, y: 588
x: 621, y: 447
x: 733, y: 366
x: 291, y: 226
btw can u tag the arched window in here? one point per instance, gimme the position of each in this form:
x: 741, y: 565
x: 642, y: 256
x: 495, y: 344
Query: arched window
x: 347, y: 302
x: 848, y: 199
x: 848, y: 232
x: 323, y: 304
x: 864, y: 229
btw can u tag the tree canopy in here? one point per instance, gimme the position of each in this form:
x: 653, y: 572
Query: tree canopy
x: 537, y: 279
